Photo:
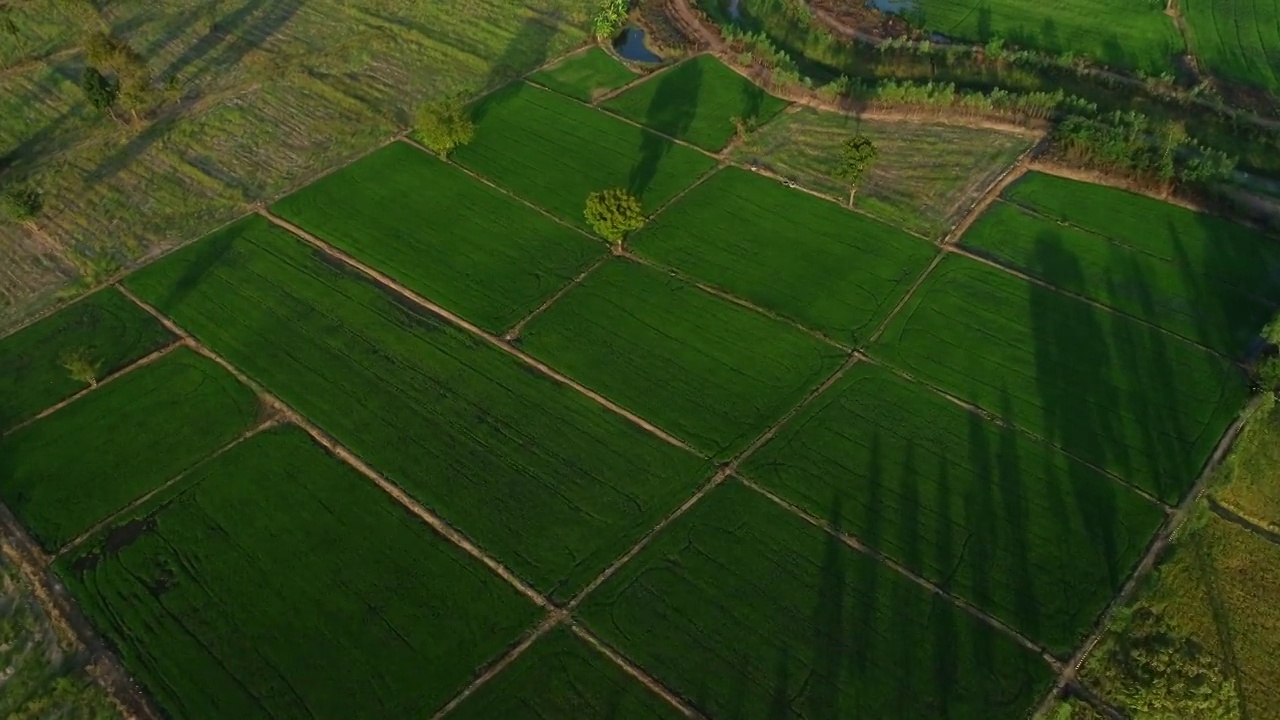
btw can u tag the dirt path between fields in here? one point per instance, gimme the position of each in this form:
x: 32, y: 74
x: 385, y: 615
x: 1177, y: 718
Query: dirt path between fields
x: 635, y: 672
x: 993, y: 192
x: 1226, y: 512
x: 514, y: 331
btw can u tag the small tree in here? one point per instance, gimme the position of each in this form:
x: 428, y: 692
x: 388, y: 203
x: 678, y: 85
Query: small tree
x: 19, y: 203
x: 856, y: 155
x: 609, y: 18
x: 133, y: 77
x: 100, y: 90
x: 444, y: 125
x: 80, y: 366
x: 614, y: 213
x: 1269, y: 374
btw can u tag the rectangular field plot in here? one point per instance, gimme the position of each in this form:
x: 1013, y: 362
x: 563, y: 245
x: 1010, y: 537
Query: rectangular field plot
x: 1236, y: 40
x: 561, y: 676
x: 585, y: 75
x: 105, y: 329
x: 802, y: 257
x: 553, y: 152
x: 696, y: 101
x: 540, y: 476
x: 1001, y: 519
x: 750, y: 612
x: 1142, y: 403
x: 701, y: 367
x: 66, y: 472
x: 278, y: 582
x: 443, y: 234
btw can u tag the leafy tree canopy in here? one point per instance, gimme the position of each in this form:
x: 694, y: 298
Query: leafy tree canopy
x: 444, y: 125
x: 856, y: 155
x: 614, y: 213
x: 610, y: 17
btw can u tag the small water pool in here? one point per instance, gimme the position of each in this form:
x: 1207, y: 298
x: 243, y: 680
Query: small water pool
x: 894, y: 6
x: 630, y: 45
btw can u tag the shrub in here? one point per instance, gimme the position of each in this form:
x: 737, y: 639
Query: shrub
x: 19, y: 203
x: 614, y: 213
x: 80, y: 366
x: 609, y: 18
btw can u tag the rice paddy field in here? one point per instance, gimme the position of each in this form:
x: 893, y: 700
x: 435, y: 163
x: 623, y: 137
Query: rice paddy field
x: 1236, y: 40
x: 585, y: 76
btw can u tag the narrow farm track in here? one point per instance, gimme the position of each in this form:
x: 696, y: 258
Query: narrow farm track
x: 993, y: 193
x: 634, y: 671
x: 514, y: 331
x: 553, y: 619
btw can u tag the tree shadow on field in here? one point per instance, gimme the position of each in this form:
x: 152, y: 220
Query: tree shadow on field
x: 205, y: 255
x: 671, y: 111
x: 822, y: 701
x: 985, y: 32
x: 527, y: 49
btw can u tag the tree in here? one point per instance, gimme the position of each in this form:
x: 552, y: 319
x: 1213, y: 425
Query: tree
x: 99, y: 89
x: 614, y: 213
x: 609, y: 18
x: 1269, y: 374
x: 80, y: 366
x: 133, y: 77
x: 19, y: 203
x: 856, y: 155
x: 444, y: 125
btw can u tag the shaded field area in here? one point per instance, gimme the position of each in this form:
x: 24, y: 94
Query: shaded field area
x: 585, y: 76
x: 750, y: 612
x: 701, y: 367
x: 697, y: 101
x: 1014, y: 526
x: 1247, y: 481
x: 547, y: 481
x: 553, y: 152
x: 562, y: 676
x: 1236, y: 40
x: 105, y: 330
x: 66, y: 472
x: 802, y: 257
x: 443, y: 234
x: 216, y: 599
x: 1130, y: 398
x: 923, y: 181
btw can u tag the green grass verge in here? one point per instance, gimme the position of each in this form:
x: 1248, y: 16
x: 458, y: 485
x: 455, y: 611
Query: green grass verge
x: 701, y: 367
x: 1236, y: 40
x: 585, y: 75
x: 802, y: 257
x: 1127, y: 397
x: 697, y: 101
x: 999, y: 518
x: 561, y: 676
x: 1246, y: 481
x: 110, y: 330
x: 70, y: 470
x: 554, y: 151
x: 546, y: 480
x: 750, y: 612
x: 430, y: 226
x: 277, y: 581
x: 1172, y: 295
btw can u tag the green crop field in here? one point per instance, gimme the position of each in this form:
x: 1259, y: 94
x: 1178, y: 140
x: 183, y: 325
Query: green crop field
x: 554, y: 151
x: 997, y: 517
x: 430, y: 226
x: 750, y: 612
x: 697, y: 101
x: 701, y: 367
x: 1125, y: 34
x: 73, y: 468
x: 546, y: 480
x: 105, y: 329
x: 1181, y: 296
x: 1236, y: 40
x: 802, y: 257
x: 562, y: 676
x: 277, y: 582
x: 1247, y: 478
x: 924, y: 179
x: 585, y: 76
x: 1135, y: 400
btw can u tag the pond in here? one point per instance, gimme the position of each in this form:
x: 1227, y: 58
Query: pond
x: 894, y: 6
x: 631, y: 46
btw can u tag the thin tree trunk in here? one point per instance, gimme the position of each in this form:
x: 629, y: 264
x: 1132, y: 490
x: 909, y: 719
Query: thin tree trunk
x: 852, y: 190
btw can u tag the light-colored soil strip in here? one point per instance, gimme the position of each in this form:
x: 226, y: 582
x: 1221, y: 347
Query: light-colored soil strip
x: 634, y: 671
x: 104, y: 381
x: 701, y: 179
x: 554, y: 618
x: 992, y: 194
x: 515, y: 330
x: 905, y: 298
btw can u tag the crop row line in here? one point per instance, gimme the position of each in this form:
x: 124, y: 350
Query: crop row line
x: 515, y: 330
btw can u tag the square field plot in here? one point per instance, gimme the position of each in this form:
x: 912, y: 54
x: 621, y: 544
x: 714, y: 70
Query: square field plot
x: 1236, y: 40
x: 68, y: 471
x: 561, y: 676
x: 1125, y: 396
x: 1011, y: 524
x: 831, y: 270
x: 105, y: 328
x: 696, y: 101
x: 542, y: 477
x: 751, y: 612
x: 701, y: 367
x: 585, y: 75
x: 443, y: 234
x: 553, y: 152
x: 277, y: 581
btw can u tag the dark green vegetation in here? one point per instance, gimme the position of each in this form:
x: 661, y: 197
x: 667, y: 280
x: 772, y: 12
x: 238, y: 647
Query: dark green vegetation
x: 701, y: 367
x: 1247, y: 481
x: 562, y: 676
x: 463, y: 244
x: 276, y: 581
x: 1125, y: 396
x: 586, y: 75
x: 554, y: 151
x: 750, y: 612
x: 1236, y: 40
x: 993, y: 515
x: 543, y: 478
x: 106, y: 326
x: 803, y: 257
x: 698, y: 101
x: 72, y: 469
